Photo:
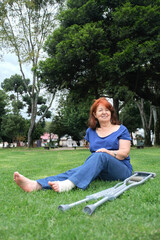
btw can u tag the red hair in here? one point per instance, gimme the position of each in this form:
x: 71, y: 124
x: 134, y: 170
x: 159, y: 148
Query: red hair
x: 93, y: 122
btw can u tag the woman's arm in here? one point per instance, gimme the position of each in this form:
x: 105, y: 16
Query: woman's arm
x: 122, y: 152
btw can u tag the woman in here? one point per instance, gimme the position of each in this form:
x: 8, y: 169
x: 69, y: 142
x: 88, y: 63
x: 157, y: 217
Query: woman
x: 109, y: 144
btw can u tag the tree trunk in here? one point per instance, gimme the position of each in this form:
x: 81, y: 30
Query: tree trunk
x: 146, y: 124
x: 30, y: 132
x: 33, y: 119
x: 156, y: 117
x: 147, y: 138
x: 116, y: 106
x: 157, y: 133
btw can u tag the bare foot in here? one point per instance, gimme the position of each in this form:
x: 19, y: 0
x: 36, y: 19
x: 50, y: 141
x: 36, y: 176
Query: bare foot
x: 54, y: 186
x: 25, y: 183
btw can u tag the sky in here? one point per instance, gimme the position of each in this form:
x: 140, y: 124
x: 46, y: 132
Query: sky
x: 9, y: 66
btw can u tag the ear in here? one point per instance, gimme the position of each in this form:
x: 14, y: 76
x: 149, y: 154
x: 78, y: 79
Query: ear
x: 94, y: 114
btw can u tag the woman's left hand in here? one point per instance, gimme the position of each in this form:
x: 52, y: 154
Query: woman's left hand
x: 102, y: 150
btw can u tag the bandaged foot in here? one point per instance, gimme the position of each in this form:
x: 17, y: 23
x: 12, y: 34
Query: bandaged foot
x: 62, y: 186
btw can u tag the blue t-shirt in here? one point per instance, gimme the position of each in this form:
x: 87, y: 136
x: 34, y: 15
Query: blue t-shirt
x: 110, y: 142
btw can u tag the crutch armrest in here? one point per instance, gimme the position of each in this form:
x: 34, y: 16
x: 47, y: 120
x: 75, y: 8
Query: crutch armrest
x: 144, y: 174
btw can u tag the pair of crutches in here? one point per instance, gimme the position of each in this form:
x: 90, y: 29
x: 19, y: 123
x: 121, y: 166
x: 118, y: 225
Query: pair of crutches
x: 111, y: 193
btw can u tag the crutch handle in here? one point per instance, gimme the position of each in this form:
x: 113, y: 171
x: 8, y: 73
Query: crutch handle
x: 136, y: 179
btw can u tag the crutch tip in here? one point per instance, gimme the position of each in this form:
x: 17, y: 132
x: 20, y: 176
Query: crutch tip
x: 63, y: 207
x: 89, y: 209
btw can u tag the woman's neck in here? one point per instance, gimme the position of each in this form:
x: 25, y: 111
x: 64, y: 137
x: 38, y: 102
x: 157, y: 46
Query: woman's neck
x: 105, y: 125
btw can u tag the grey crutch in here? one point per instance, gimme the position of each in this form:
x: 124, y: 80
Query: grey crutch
x: 111, y: 193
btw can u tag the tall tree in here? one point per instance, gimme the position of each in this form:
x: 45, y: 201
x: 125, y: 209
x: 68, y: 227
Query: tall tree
x: 74, y: 49
x: 136, y: 59
x: 24, y: 27
x: 101, y: 46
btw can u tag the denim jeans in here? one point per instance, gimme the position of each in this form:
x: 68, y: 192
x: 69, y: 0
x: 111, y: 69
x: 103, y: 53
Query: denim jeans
x: 98, y: 165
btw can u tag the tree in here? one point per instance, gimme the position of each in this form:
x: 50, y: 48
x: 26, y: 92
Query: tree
x: 74, y: 50
x: 135, y: 61
x: 130, y: 117
x: 72, y: 117
x: 146, y: 122
x: 17, y: 91
x: 102, y: 46
x: 156, y: 118
x: 16, y: 87
x: 13, y: 128
x: 57, y: 126
x: 24, y: 27
x: 138, y: 114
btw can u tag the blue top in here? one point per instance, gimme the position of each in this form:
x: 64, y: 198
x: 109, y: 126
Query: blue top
x: 110, y: 142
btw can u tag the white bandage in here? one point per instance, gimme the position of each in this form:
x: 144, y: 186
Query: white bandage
x: 65, y: 186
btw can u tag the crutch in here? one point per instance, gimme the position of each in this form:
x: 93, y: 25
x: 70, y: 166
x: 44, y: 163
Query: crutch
x: 109, y: 194
x: 94, y: 196
x: 136, y: 179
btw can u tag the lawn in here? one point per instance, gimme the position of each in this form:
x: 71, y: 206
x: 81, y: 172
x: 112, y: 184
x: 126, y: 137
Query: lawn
x: 135, y: 215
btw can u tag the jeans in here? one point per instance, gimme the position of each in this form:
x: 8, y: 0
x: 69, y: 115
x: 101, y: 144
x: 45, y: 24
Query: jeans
x: 97, y: 166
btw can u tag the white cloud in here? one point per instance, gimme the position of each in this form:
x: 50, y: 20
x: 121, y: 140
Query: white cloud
x: 9, y: 66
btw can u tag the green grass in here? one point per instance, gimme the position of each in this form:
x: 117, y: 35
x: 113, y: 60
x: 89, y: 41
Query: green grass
x: 135, y: 215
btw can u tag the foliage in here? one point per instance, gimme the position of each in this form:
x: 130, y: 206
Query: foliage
x: 17, y: 91
x: 15, y: 83
x: 74, y: 50
x: 135, y: 60
x: 35, y: 216
x: 111, y: 44
x: 130, y: 117
x: 72, y: 117
x: 16, y: 87
x: 13, y: 127
x: 39, y: 130
x: 106, y: 48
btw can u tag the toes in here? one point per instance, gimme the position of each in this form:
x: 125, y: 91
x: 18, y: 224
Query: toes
x: 15, y: 175
x: 50, y: 184
x: 54, y: 186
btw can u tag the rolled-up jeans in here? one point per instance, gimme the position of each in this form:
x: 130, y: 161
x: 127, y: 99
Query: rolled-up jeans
x: 98, y: 165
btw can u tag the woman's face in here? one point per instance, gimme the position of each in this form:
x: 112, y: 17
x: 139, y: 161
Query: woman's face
x: 103, y: 114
